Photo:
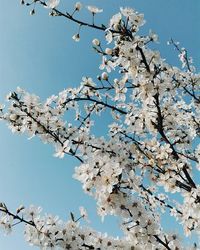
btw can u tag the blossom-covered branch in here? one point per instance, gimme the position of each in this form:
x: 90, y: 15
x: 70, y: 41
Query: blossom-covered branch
x: 147, y: 153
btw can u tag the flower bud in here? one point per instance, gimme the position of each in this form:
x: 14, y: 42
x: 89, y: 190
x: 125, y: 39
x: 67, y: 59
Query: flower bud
x: 76, y: 37
x: 78, y: 6
x: 96, y: 42
x: 51, y: 13
x: 108, y: 51
x: 32, y: 12
x: 104, y: 76
x: 13, y: 117
x: 99, y: 78
x: 116, y: 81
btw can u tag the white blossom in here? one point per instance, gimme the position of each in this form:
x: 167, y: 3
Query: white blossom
x: 144, y: 159
x: 51, y: 4
x: 94, y: 9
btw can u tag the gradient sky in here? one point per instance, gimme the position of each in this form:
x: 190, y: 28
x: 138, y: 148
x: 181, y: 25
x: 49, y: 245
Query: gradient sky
x: 38, y: 54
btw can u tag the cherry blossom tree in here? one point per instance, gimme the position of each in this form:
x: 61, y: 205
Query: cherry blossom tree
x: 150, y: 150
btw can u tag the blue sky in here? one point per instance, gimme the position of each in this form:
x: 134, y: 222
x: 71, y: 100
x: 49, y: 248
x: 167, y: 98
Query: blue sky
x: 38, y: 54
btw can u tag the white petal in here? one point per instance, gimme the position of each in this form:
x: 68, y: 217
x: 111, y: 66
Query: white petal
x: 50, y: 4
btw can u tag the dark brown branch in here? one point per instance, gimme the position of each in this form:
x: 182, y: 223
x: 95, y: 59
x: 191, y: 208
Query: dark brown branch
x: 45, y: 129
x: 97, y: 102
x: 160, y: 128
x: 162, y: 242
x: 144, y: 60
x: 17, y: 217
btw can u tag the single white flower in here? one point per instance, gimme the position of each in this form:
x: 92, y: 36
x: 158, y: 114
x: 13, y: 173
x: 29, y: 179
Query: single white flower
x: 106, y: 64
x: 153, y: 36
x: 51, y: 4
x: 94, y: 9
x: 61, y: 150
x: 109, y: 36
x: 2, y: 106
x: 127, y: 12
x: 87, y: 81
x: 32, y: 212
x: 84, y: 213
x: 173, y: 212
x: 115, y: 20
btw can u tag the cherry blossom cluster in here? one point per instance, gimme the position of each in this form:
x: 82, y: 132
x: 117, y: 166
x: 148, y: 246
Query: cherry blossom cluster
x: 49, y: 232
x: 148, y: 153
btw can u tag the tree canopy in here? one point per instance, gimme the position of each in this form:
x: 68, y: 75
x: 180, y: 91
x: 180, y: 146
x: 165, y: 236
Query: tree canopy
x: 143, y: 167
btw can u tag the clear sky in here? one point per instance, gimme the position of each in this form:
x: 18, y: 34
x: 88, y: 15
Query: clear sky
x: 38, y: 54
